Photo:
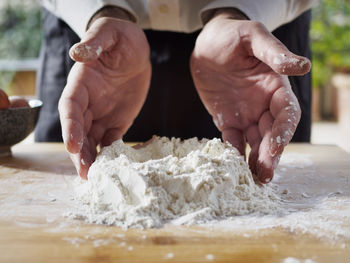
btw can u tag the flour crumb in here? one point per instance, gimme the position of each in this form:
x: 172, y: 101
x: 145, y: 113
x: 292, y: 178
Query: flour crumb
x: 99, y: 51
x: 130, y: 248
x: 295, y: 260
x: 171, y: 181
x: 169, y: 255
x: 303, y: 63
x: 277, y: 61
x: 209, y: 257
x: 278, y: 140
x: 283, y: 59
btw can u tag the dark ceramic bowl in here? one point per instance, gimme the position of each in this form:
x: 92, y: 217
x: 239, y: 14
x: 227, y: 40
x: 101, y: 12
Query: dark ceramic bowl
x: 16, y: 124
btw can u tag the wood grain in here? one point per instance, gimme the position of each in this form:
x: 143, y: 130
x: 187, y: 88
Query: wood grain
x: 28, y: 235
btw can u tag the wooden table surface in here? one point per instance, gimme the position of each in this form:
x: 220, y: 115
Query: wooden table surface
x: 36, y: 190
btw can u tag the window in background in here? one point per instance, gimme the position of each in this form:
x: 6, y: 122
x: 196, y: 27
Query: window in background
x: 20, y: 40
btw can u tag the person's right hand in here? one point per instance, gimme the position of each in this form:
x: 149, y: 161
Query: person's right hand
x: 105, y: 90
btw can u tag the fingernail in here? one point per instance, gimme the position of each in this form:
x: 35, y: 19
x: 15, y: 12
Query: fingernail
x: 72, y: 50
x: 83, y: 51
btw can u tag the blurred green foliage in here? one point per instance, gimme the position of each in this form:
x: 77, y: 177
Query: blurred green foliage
x: 20, y: 34
x: 330, y: 39
x: 20, y: 31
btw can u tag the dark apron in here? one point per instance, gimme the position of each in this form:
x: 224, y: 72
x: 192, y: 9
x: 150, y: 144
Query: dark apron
x: 172, y: 107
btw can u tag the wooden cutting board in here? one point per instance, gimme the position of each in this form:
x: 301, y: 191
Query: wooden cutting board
x: 36, y: 190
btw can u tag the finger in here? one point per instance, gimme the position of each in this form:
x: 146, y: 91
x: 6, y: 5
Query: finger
x: 96, y: 132
x: 110, y: 127
x: 100, y: 37
x: 272, y: 52
x: 265, y: 162
x: 83, y: 160
x: 72, y: 105
x: 72, y: 135
x: 286, y: 111
x: 254, y: 140
x: 110, y: 136
x: 72, y: 124
x: 88, y: 118
x: 236, y: 138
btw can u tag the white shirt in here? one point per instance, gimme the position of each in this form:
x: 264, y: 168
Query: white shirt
x: 178, y: 15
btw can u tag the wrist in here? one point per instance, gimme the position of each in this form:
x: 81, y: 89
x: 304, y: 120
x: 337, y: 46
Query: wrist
x: 228, y: 13
x: 113, y: 12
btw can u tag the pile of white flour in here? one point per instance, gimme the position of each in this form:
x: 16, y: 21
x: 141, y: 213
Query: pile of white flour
x: 171, y: 181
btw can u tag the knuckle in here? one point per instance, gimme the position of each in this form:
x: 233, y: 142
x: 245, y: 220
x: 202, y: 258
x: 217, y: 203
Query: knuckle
x: 257, y: 25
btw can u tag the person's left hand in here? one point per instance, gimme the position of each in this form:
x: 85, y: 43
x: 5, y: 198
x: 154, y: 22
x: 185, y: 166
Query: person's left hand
x: 239, y: 69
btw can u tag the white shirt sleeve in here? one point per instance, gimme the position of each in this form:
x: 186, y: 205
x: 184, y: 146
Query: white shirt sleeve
x: 178, y: 15
x: 77, y: 13
x: 272, y: 13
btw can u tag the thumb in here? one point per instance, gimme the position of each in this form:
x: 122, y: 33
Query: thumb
x: 272, y: 52
x: 101, y: 36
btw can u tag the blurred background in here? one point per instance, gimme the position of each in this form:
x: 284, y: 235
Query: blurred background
x: 20, y: 39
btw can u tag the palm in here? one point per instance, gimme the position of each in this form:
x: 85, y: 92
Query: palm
x: 230, y: 97
x: 248, y: 100
x: 104, y: 95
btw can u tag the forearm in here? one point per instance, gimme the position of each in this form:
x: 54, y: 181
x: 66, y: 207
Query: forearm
x: 113, y: 12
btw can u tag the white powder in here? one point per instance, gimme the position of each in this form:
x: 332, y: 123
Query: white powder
x: 283, y: 59
x: 169, y: 180
x: 209, y: 257
x: 295, y: 260
x: 277, y: 61
x: 99, y: 51
x: 303, y: 63
x: 130, y: 248
x: 169, y: 255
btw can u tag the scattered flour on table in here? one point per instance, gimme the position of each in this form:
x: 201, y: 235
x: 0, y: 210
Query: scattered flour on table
x: 295, y: 260
x: 171, y: 181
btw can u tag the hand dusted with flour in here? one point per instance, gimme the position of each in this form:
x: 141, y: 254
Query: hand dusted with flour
x: 240, y: 72
x: 171, y: 181
x: 106, y: 88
